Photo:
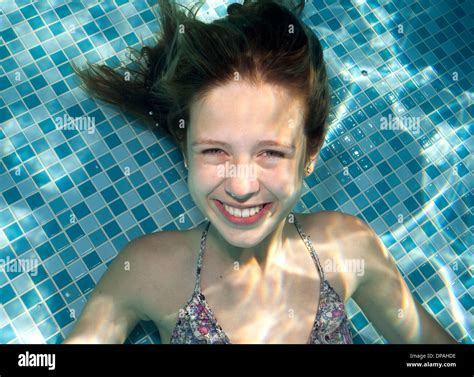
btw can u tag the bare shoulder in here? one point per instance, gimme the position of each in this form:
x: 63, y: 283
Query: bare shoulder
x: 345, y: 240
x: 355, y: 236
x: 165, y: 243
x: 361, y: 240
x: 331, y: 216
x: 165, y: 263
x: 163, y: 251
x: 340, y: 226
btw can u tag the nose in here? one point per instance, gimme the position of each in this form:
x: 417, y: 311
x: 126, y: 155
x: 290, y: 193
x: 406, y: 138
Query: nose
x: 240, y: 197
x: 241, y: 186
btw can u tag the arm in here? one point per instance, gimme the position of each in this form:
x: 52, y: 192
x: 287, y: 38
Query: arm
x: 386, y: 300
x: 114, y: 307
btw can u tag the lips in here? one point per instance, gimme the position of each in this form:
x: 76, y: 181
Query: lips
x: 242, y: 220
x: 247, y: 207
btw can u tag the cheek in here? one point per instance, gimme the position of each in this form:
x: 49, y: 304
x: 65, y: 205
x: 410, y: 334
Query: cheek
x: 285, y: 177
x: 202, y: 179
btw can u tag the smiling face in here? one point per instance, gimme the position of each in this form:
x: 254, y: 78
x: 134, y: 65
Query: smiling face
x: 246, y: 148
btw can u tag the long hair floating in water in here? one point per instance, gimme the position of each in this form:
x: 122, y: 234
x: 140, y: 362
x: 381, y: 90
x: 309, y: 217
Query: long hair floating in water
x: 260, y: 42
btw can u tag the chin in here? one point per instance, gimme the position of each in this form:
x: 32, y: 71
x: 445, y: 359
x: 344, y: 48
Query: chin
x: 242, y: 242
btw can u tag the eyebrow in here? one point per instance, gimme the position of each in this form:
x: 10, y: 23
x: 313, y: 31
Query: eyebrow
x: 259, y: 144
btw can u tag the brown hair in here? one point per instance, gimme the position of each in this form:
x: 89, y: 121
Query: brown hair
x: 263, y: 41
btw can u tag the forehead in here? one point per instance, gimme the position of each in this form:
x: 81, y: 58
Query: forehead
x: 239, y: 109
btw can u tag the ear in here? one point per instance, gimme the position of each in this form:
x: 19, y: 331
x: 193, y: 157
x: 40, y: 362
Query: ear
x: 185, y: 160
x: 182, y: 148
x: 310, y: 163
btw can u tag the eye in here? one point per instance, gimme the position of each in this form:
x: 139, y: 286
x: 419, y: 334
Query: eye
x: 276, y: 154
x: 215, y: 151
x: 211, y: 151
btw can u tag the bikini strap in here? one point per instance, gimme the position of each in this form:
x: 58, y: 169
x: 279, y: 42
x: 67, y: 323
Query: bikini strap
x: 197, y: 286
x: 309, y: 245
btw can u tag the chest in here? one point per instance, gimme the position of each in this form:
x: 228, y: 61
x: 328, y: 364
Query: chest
x: 280, y: 308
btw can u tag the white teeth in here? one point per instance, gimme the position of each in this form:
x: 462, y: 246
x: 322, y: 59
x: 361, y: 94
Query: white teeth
x: 247, y: 212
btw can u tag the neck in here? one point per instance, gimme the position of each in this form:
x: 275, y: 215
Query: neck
x: 262, y: 256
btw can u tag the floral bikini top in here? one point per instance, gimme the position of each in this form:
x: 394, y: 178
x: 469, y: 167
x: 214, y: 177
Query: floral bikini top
x: 197, y: 323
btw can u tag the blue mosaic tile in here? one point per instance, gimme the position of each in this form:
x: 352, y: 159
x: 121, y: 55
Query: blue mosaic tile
x: 39, y: 313
x: 78, y: 208
x: 46, y: 288
x: 30, y: 298
x: 62, y: 279
x: 14, y: 308
x: 359, y: 321
x: 48, y: 327
x: 63, y: 318
x: 7, y: 334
